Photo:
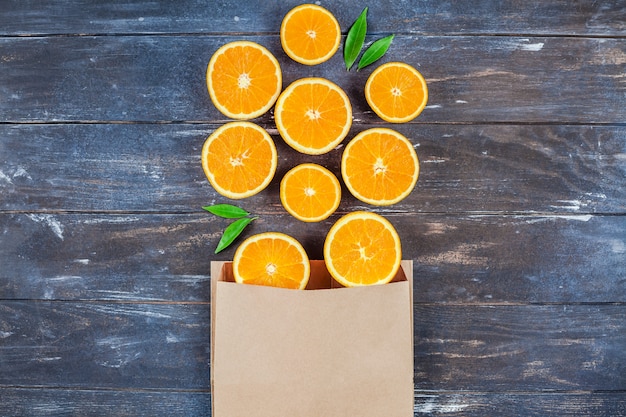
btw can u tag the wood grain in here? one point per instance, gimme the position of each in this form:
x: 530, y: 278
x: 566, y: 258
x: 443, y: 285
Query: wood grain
x: 162, y: 78
x: 61, y: 402
x: 90, y: 345
x: 476, y: 259
x: 464, y: 168
x: 430, y: 17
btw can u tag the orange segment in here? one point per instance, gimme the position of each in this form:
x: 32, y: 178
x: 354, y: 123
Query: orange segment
x: 310, y: 192
x: 272, y: 259
x: 380, y: 166
x: 310, y: 34
x: 313, y: 115
x: 239, y: 159
x: 396, y: 92
x: 244, y: 80
x: 362, y: 248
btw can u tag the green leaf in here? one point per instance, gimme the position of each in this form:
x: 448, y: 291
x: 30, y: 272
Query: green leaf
x: 232, y: 232
x: 355, y: 39
x: 226, y: 211
x: 375, y: 51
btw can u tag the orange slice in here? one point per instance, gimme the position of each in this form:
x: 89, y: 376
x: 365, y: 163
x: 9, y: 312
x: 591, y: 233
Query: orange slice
x: 272, y: 259
x: 310, y: 34
x: 396, y: 92
x: 313, y: 115
x: 310, y: 192
x: 362, y: 248
x: 243, y: 79
x: 380, y: 166
x: 239, y: 159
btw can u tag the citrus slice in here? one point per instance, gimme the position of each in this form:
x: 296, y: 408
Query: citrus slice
x: 310, y: 192
x: 244, y: 80
x: 239, y: 159
x: 362, y: 248
x: 310, y: 34
x: 313, y: 115
x: 272, y: 259
x: 380, y: 166
x: 396, y: 92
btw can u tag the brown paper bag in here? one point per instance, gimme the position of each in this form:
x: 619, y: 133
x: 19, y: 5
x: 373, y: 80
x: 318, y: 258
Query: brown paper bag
x: 319, y: 352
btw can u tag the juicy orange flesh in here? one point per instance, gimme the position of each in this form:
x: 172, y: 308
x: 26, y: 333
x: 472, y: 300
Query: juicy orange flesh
x: 240, y: 159
x: 244, y: 79
x: 397, y: 91
x: 314, y: 115
x: 272, y: 262
x: 311, y: 193
x: 364, y: 251
x: 380, y: 167
x: 311, y: 34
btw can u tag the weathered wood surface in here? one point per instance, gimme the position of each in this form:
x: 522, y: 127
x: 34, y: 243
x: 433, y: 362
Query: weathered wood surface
x: 477, y: 259
x: 464, y: 168
x: 162, y: 78
x: 431, y: 17
x: 164, y: 346
x: 517, y: 226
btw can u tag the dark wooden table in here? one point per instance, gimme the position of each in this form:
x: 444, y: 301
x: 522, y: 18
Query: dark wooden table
x: 517, y: 226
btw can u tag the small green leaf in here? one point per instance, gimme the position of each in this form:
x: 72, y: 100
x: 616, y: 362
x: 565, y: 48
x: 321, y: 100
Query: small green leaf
x: 355, y: 39
x: 232, y: 232
x: 226, y: 211
x: 375, y: 51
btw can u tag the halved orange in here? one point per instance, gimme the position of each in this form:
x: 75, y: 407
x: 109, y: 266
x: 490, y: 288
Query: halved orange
x: 396, y: 92
x: 313, y: 115
x: 380, y: 166
x: 239, y: 159
x: 272, y: 259
x: 244, y: 80
x: 310, y: 192
x: 310, y: 34
x: 362, y: 248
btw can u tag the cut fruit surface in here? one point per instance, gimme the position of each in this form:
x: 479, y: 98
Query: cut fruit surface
x: 362, y: 248
x: 396, y: 92
x: 239, y: 159
x: 313, y: 115
x: 272, y: 259
x: 380, y: 166
x: 310, y: 192
x: 244, y: 80
x: 310, y: 34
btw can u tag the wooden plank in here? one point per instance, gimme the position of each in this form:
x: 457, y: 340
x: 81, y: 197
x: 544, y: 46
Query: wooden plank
x: 464, y: 168
x: 36, y: 402
x: 601, y: 404
x: 61, y: 402
x: 521, y: 347
x: 162, y: 78
x: 555, y: 17
x: 477, y: 259
x: 106, y: 345
x: 457, y: 347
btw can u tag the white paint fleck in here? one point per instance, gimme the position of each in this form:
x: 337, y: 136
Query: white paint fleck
x: 434, y: 161
x: 55, y: 358
x: 62, y: 278
x: 50, y: 221
x: 569, y: 205
x: 21, y: 172
x: 431, y: 406
x: 82, y: 261
x: 236, y: 18
x: 4, y: 335
x: 170, y: 338
x: 15, y: 96
x: 433, y: 106
x: 534, y: 47
x: 6, y: 178
x: 124, y: 219
x: 461, y: 102
x: 141, y: 19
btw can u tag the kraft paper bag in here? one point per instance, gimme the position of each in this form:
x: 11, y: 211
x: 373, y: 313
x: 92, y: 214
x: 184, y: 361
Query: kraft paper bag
x: 323, y: 351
